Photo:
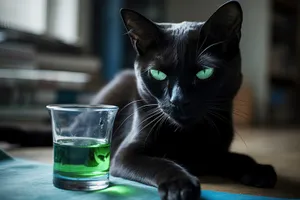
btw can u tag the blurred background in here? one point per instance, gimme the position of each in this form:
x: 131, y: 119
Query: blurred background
x: 64, y: 51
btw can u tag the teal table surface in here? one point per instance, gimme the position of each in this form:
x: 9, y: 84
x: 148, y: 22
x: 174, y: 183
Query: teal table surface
x: 26, y: 180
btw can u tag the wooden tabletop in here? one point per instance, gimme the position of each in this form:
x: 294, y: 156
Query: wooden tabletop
x: 281, y: 148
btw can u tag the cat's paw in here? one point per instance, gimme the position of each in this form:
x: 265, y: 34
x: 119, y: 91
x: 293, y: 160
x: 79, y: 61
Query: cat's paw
x: 183, y: 188
x: 263, y: 176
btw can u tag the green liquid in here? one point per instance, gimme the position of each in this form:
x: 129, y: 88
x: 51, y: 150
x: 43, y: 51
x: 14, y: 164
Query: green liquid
x: 81, y: 158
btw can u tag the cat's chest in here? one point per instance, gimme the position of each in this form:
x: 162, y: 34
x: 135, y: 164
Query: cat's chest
x: 178, y: 144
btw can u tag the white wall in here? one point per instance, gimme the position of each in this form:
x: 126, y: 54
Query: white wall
x: 255, y: 51
x: 25, y: 15
x: 63, y: 20
x: 85, y: 24
x: 191, y: 10
x: 254, y: 44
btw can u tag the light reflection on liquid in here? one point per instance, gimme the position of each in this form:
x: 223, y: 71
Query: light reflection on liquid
x: 122, y: 190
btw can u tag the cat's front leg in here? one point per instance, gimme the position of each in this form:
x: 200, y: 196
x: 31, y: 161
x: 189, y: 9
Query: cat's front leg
x: 173, y: 181
x: 244, y: 169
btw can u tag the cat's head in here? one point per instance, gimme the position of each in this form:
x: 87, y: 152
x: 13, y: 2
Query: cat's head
x: 188, y: 68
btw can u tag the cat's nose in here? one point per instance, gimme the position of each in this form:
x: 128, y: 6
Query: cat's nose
x: 178, y: 98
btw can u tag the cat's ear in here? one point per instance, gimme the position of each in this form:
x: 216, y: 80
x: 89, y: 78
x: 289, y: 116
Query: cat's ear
x: 144, y: 34
x: 225, y: 22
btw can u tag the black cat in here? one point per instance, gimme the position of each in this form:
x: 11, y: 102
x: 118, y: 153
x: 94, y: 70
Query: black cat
x: 175, y: 120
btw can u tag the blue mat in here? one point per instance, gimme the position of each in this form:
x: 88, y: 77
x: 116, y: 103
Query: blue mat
x: 20, y: 179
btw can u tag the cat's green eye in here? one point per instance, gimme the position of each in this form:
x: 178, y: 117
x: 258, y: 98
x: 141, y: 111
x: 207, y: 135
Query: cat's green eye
x: 158, y: 75
x: 205, y: 73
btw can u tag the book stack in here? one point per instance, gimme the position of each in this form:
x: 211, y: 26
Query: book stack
x: 29, y: 80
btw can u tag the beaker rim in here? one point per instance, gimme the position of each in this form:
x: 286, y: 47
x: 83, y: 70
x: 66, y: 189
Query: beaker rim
x: 80, y: 107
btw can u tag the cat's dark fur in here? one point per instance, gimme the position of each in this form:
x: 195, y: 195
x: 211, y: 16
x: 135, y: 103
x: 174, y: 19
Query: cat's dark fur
x: 169, y: 132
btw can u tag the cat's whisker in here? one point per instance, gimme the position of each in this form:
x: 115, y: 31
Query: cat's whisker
x: 175, y: 124
x: 178, y: 127
x: 210, y: 121
x: 149, y: 116
x: 219, y: 101
x: 172, y: 122
x: 219, y: 104
x: 241, y: 105
x: 234, y: 112
x: 212, y: 45
x: 198, y: 39
x: 161, y: 117
x: 240, y: 111
x: 241, y: 138
x: 228, y: 98
x: 237, y: 102
x: 164, y: 119
x: 215, y: 114
x: 197, y: 50
x: 158, y: 120
x: 240, y: 100
x: 148, y: 105
x: 157, y: 117
x: 130, y: 104
x: 242, y: 116
x: 215, y: 108
x: 220, y: 98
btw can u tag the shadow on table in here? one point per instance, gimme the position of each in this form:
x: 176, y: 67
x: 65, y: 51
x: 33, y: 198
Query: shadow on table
x: 286, y: 187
